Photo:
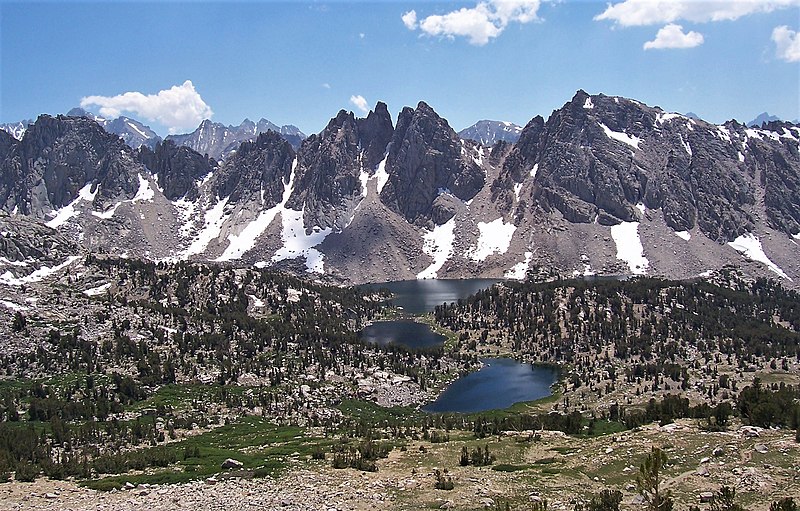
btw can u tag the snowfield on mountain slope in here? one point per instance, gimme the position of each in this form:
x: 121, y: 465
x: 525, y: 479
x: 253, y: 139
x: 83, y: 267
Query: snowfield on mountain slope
x: 298, y: 243
x: 212, y: 226
x: 631, y: 140
x: 495, y: 238
x: 64, y: 214
x: 438, y: 244
x: 240, y: 243
x: 750, y: 247
x: 519, y: 270
x: 629, y: 247
x: 36, y: 276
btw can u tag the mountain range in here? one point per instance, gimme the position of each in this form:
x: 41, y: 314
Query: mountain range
x: 211, y: 138
x: 604, y: 185
x: 219, y: 141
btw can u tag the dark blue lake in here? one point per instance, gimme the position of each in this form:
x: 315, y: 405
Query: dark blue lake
x: 500, y: 383
x: 420, y: 296
x: 404, y: 331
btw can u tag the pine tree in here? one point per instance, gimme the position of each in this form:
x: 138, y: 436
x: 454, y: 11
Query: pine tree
x: 648, y: 481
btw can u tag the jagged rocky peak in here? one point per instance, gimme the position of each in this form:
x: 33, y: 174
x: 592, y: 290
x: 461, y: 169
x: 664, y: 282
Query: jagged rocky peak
x: 427, y: 158
x: 329, y: 165
x: 57, y: 157
x: 374, y: 133
x: 259, y: 170
x: 178, y: 168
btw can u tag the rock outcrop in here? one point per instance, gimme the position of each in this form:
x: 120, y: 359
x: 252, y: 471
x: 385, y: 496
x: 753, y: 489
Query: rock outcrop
x: 178, y: 168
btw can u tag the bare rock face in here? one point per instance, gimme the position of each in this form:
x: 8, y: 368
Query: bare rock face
x: 178, y: 168
x: 425, y: 158
x: 259, y: 170
x: 57, y: 157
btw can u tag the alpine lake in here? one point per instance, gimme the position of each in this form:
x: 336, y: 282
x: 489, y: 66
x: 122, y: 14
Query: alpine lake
x: 499, y: 383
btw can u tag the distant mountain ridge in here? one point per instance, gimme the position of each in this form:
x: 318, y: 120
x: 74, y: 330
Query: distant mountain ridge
x: 219, y: 141
x: 131, y: 131
x: 16, y: 129
x: 488, y: 132
x: 761, y: 119
x: 604, y: 185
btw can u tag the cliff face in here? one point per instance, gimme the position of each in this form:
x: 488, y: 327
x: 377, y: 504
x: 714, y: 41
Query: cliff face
x: 426, y: 159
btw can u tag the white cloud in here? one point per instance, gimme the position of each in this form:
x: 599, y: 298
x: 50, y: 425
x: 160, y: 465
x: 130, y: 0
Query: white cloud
x: 177, y: 107
x: 326, y: 85
x: 655, y: 12
x: 410, y: 19
x: 672, y: 36
x: 478, y: 24
x: 787, y: 43
x: 360, y: 103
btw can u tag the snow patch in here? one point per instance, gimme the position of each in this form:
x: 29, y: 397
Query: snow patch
x: 4, y: 261
x: 588, y: 104
x: 663, y: 117
x: 64, y: 214
x: 619, y: 136
x: 723, y: 133
x: 684, y: 235
x: 212, y: 226
x: 97, y: 291
x: 520, y: 270
x: 641, y: 207
x: 517, y: 189
x: 629, y: 246
x: 686, y: 145
x: 750, y: 247
x: 257, y: 302
x: 495, y: 238
x: 534, y: 170
x: 240, y: 243
x: 364, y: 179
x: 14, y: 306
x: 753, y: 133
x: 42, y: 273
x: 296, y: 243
x: 105, y: 215
x: 741, y: 158
x: 136, y: 129
x: 381, y: 175
x: 438, y: 244
x: 144, y: 193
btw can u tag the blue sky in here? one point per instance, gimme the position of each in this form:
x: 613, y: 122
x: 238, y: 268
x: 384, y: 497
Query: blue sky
x: 300, y: 62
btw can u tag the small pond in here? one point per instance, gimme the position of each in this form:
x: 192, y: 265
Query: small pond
x: 407, y: 332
